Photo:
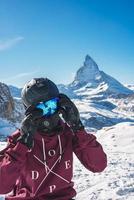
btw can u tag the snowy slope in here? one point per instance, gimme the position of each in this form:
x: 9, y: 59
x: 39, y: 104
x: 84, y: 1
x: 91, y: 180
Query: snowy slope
x: 6, y: 128
x: 130, y: 86
x: 116, y: 182
x: 107, y: 112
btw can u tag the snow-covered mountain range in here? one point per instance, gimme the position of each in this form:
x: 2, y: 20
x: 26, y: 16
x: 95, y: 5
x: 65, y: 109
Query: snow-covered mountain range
x: 101, y: 99
x: 90, y: 81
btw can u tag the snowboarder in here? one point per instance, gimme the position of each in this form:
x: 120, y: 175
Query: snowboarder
x: 37, y: 163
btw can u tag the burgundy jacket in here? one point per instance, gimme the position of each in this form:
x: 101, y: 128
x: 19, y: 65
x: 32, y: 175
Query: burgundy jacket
x: 46, y: 171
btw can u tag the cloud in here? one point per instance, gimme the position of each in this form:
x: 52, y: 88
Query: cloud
x: 21, y: 76
x: 20, y: 79
x: 7, y: 44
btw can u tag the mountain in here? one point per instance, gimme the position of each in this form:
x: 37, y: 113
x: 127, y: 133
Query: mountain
x: 88, y: 74
x: 6, y: 102
x: 101, y: 99
x: 11, y: 111
x: 89, y: 80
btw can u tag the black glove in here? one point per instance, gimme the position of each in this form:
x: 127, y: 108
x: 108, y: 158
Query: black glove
x: 29, y: 126
x: 70, y: 113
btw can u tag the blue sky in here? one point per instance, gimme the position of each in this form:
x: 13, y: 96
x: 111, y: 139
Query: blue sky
x: 51, y: 38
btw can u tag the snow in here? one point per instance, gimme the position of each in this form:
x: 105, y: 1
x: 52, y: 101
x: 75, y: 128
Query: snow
x: 99, y: 113
x: 89, y: 79
x: 89, y: 91
x: 101, y: 99
x: 6, y: 128
x: 2, y: 145
x: 89, y: 72
x: 116, y: 182
x: 130, y: 86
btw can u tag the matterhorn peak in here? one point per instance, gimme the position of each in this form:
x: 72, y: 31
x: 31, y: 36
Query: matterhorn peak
x: 90, y: 77
x: 88, y: 73
x: 90, y: 63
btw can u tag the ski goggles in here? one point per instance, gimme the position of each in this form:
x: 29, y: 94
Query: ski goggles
x: 48, y: 107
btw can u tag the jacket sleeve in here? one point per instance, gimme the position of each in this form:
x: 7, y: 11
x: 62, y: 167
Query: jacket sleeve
x: 89, y: 151
x: 12, y: 158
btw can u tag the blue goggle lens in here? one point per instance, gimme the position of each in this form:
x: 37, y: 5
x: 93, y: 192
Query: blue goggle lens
x: 48, y: 107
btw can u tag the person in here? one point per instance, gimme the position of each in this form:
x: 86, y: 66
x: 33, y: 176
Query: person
x: 37, y: 163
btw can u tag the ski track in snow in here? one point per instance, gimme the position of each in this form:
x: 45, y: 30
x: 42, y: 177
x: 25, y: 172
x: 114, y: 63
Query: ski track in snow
x: 116, y: 182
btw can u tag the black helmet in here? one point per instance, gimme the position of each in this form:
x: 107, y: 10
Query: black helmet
x: 37, y: 90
